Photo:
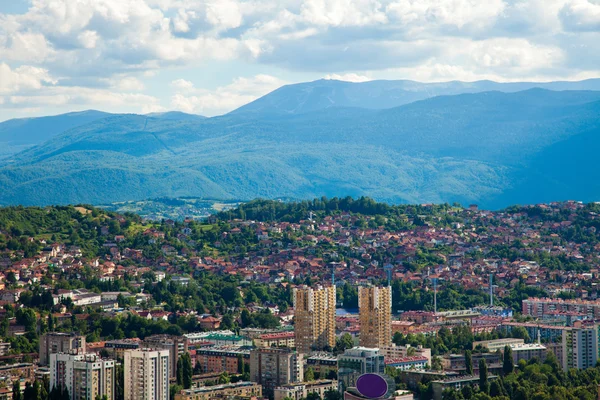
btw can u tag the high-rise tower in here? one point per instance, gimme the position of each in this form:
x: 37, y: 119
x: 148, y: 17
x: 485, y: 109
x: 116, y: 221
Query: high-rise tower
x: 314, y: 313
x: 375, y: 316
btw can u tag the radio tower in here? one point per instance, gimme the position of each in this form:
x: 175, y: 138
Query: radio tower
x: 435, y: 295
x: 491, y: 290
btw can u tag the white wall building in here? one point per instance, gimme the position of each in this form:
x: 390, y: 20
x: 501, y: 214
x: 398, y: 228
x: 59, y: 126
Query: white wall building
x: 146, y: 374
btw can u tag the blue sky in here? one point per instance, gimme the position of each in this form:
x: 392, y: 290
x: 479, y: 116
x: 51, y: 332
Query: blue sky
x: 209, y: 57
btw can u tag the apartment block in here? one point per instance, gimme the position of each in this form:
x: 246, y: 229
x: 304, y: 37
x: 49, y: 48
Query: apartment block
x: 497, y: 344
x: 219, y: 359
x: 394, y: 352
x: 580, y: 347
x: 146, y: 374
x: 375, y: 316
x: 357, y: 361
x: 86, y: 376
x: 540, y: 307
x: 279, y: 339
x: 314, y: 318
x: 177, y: 346
x: 231, y: 390
x: 56, y: 342
x: 298, y: 391
x: 275, y: 367
x: 528, y: 351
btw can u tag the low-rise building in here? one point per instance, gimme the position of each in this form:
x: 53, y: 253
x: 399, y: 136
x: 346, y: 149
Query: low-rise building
x: 58, y: 342
x: 279, y: 339
x: 219, y: 359
x: 297, y: 391
x: 528, y: 351
x: 413, y: 362
x: 236, y: 390
x: 497, y: 344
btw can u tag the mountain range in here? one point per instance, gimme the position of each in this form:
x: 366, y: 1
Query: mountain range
x: 489, y: 143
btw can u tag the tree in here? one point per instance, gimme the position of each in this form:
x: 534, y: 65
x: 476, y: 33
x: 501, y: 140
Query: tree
x: 483, y: 376
x: 436, y: 363
x: 344, y: 342
x: 119, y: 382
x: 179, y: 376
x: 173, y: 390
x: 309, y: 376
x: 468, y: 363
x: 16, y: 390
x: 224, y: 378
x: 508, y: 364
x: 188, y: 371
x: 332, y: 395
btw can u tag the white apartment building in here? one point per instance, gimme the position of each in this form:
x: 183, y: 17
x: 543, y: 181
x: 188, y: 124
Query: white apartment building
x: 146, y: 374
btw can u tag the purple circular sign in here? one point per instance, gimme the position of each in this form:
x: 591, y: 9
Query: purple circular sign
x: 371, y: 385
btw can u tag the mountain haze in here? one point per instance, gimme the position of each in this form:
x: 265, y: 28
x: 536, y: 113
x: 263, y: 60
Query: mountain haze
x: 381, y: 94
x: 491, y: 148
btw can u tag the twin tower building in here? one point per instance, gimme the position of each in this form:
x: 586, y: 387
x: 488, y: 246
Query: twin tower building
x: 314, y: 311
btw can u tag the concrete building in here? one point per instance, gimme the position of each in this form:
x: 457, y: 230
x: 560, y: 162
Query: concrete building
x: 375, y: 316
x: 177, y: 346
x: 498, y: 344
x: 86, y: 376
x: 528, y: 351
x: 406, y: 363
x: 580, y: 347
x: 297, y: 391
x: 279, y: 339
x: 357, y: 361
x: 396, y: 352
x: 275, y: 367
x: 456, y: 384
x: 56, y: 342
x: 322, y: 363
x: 314, y: 313
x: 236, y: 390
x: 539, y: 307
x: 146, y: 374
x: 117, y: 348
x: 219, y: 359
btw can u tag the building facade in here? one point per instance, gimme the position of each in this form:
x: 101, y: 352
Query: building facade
x: 580, y: 347
x: 56, y: 342
x: 235, y: 390
x: 279, y: 339
x: 539, y: 307
x: 275, y: 367
x: 375, y: 316
x: 297, y: 391
x: 146, y: 374
x: 314, y: 318
x: 357, y: 361
x: 85, y: 376
x: 177, y: 346
x: 215, y: 359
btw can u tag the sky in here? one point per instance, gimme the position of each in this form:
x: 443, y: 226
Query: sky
x: 210, y: 57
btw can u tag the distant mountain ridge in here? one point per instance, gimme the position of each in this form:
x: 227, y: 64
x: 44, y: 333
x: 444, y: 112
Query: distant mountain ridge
x: 491, y: 148
x: 381, y: 94
x: 19, y: 134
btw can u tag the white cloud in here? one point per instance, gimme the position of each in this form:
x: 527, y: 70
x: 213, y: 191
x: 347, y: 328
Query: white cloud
x: 581, y: 15
x: 23, y: 78
x: 436, y: 13
x: 121, y: 46
x: 182, y: 85
x: 128, y: 84
x: 343, y: 12
x: 223, y: 99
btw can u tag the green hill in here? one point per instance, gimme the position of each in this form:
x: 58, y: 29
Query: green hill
x: 468, y: 148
